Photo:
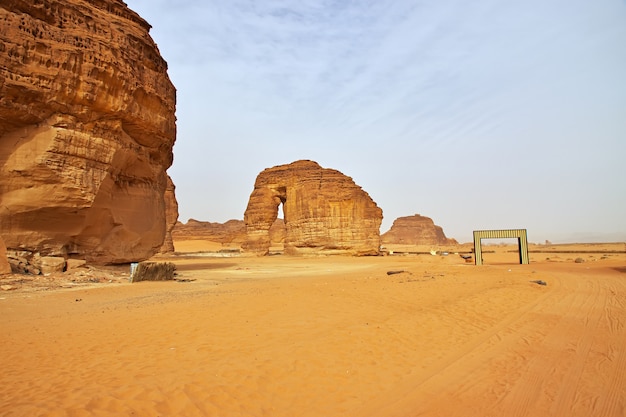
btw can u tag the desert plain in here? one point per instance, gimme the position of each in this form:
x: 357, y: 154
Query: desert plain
x: 323, y: 336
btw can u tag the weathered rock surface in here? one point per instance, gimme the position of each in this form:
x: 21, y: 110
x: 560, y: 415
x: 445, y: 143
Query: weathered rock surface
x: 278, y: 232
x: 171, y: 216
x: 416, y: 230
x: 153, y: 271
x: 324, y: 212
x: 5, y: 266
x: 87, y: 127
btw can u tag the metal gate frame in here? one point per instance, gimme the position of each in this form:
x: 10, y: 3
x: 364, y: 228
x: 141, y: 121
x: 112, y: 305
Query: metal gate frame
x: 520, y: 234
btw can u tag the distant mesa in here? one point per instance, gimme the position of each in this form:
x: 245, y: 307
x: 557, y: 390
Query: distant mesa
x: 416, y: 230
x: 325, y: 212
x: 231, y: 234
x: 413, y: 230
x: 87, y: 126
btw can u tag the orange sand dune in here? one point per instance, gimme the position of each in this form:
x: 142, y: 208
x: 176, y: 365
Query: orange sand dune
x: 279, y: 336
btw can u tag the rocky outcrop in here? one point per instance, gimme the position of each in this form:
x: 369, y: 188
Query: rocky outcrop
x: 416, y: 230
x: 324, y: 212
x: 5, y: 266
x: 87, y: 127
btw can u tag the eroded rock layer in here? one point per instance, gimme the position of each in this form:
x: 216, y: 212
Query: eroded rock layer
x: 416, y: 230
x: 5, y: 267
x: 87, y: 127
x: 171, y: 216
x: 324, y: 212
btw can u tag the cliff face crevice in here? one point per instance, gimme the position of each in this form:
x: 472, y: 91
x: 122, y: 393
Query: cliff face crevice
x: 87, y: 126
x: 324, y: 212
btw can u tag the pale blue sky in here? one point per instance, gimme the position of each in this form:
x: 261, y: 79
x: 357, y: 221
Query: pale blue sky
x: 483, y: 114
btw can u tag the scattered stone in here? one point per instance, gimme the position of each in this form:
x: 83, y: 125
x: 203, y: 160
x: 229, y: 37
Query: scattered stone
x: 32, y: 269
x: 579, y: 260
x: 395, y: 272
x: 75, y: 263
x: 52, y: 264
x: 540, y: 282
x: 7, y: 287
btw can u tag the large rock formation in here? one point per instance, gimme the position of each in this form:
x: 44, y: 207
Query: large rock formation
x: 324, y: 212
x: 415, y: 230
x: 87, y: 127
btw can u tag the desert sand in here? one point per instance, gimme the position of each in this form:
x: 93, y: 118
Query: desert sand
x: 335, y: 336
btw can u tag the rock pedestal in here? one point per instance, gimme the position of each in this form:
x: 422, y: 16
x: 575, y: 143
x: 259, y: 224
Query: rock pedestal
x: 325, y: 212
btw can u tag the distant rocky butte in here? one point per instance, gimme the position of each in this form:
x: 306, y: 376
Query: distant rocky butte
x: 324, y: 212
x: 87, y: 126
x: 231, y: 234
x: 416, y: 230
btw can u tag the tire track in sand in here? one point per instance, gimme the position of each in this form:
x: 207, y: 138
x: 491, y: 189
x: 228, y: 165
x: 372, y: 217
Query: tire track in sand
x: 546, y: 359
x: 405, y: 395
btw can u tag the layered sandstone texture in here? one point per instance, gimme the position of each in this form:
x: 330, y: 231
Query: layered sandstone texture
x: 87, y: 127
x: 325, y: 212
x: 5, y: 267
x: 171, y: 216
x: 416, y: 230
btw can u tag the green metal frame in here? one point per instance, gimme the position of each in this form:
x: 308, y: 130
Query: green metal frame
x: 520, y: 234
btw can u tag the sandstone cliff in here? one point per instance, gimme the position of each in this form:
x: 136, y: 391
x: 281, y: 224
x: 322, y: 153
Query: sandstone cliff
x: 416, y: 230
x: 87, y: 127
x: 171, y: 216
x: 324, y: 212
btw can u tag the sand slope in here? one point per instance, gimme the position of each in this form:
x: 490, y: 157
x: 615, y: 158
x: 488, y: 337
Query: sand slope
x: 280, y: 336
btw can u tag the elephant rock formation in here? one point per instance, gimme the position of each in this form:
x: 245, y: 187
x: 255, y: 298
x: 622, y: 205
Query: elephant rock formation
x: 325, y: 212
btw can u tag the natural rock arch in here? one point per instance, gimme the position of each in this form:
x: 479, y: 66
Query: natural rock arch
x: 324, y: 212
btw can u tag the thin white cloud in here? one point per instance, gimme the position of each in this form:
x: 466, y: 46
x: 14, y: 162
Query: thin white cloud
x: 408, y: 87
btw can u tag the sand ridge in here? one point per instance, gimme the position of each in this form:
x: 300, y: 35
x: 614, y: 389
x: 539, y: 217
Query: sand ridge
x: 280, y: 336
